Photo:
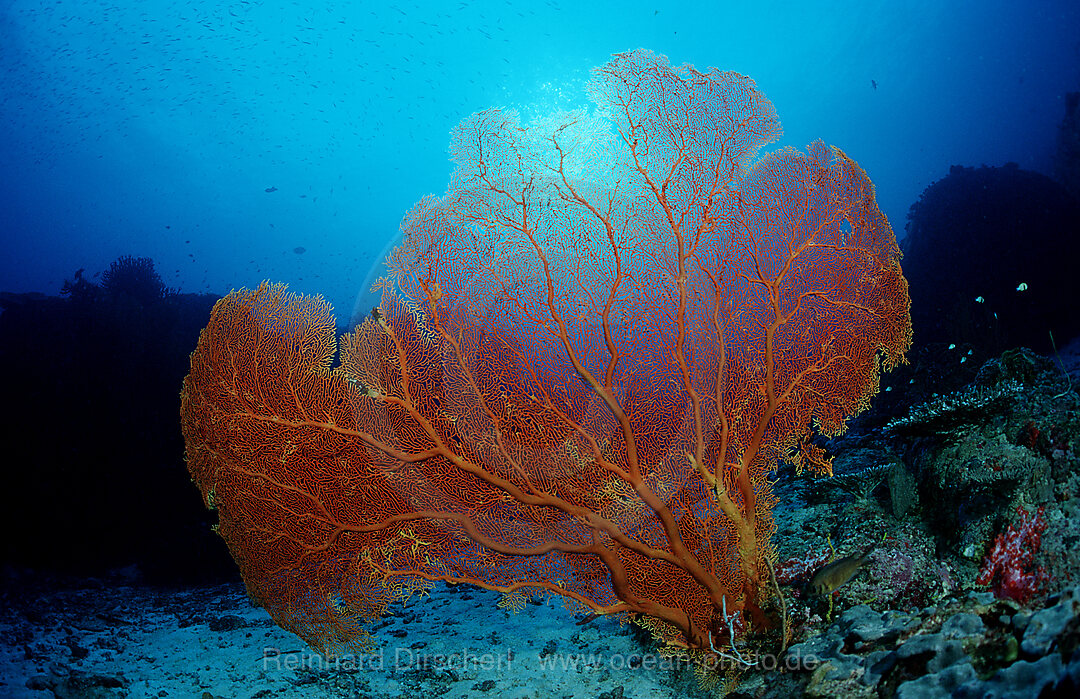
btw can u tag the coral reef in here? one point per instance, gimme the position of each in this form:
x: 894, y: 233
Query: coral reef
x: 984, y: 450
x: 135, y: 278
x: 943, y: 523
x: 948, y: 415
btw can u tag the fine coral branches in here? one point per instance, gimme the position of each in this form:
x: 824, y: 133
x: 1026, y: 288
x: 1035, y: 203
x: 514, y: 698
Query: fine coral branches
x: 589, y: 355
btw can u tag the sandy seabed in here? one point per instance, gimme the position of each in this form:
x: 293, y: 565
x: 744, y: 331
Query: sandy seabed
x: 94, y: 638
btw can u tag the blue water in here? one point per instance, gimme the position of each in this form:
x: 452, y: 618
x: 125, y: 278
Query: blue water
x: 157, y: 128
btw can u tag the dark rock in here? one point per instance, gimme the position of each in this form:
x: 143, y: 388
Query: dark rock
x: 937, y: 652
x: 940, y: 684
x: 1020, y: 620
x: 903, y: 489
x: 1046, y: 625
x: 229, y: 622
x: 76, y: 684
x: 616, y: 693
x: 825, y: 652
x: 861, y: 624
x: 962, y: 625
x: 1020, y: 680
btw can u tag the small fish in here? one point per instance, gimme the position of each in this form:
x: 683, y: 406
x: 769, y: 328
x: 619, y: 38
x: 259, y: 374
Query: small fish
x: 873, y: 84
x: 1022, y: 287
x: 270, y: 189
x: 588, y: 618
x: 979, y: 299
x: 832, y: 576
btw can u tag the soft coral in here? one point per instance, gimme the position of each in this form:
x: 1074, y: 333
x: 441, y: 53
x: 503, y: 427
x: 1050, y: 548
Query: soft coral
x: 1009, y: 566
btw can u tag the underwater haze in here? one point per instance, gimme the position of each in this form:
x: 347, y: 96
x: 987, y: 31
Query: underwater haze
x: 239, y: 141
x: 634, y: 419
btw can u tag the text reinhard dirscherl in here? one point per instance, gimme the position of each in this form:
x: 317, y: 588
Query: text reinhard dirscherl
x: 408, y: 659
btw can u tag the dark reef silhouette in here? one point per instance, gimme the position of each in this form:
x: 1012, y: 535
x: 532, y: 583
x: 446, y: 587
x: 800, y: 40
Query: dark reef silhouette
x: 1067, y: 157
x: 95, y: 476
x: 989, y: 255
